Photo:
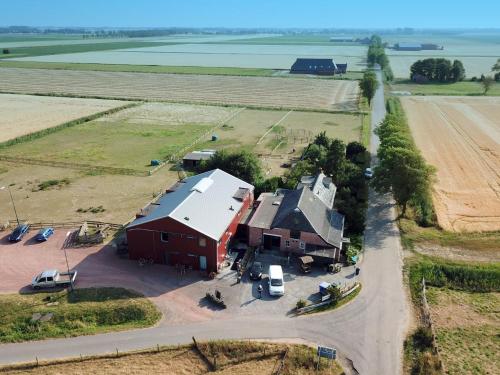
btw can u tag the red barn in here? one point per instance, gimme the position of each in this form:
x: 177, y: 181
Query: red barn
x: 193, y: 223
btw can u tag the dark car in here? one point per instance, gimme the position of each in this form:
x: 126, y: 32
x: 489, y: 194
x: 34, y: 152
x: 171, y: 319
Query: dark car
x: 44, y: 234
x: 19, y: 232
x: 256, y: 271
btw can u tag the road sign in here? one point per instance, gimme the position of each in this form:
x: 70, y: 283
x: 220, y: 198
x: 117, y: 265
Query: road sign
x: 326, y: 352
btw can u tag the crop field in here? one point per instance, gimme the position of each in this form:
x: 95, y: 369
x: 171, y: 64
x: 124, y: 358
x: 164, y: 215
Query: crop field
x: 301, y: 93
x: 24, y: 114
x: 477, y: 52
x: 460, y: 136
x: 210, y: 55
x: 467, y: 327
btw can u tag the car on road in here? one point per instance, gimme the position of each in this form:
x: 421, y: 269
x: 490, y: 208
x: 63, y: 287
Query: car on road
x: 256, y: 271
x: 44, y: 234
x: 368, y: 173
x: 18, y: 233
x: 53, y: 279
x: 276, y: 281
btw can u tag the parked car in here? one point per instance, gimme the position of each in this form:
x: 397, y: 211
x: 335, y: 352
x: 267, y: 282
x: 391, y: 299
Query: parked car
x: 256, y: 271
x: 368, y: 173
x: 44, y: 234
x: 276, y: 282
x: 53, y: 279
x: 18, y: 233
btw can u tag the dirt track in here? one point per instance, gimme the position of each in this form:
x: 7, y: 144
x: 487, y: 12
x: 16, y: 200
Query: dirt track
x: 323, y: 94
x: 460, y: 136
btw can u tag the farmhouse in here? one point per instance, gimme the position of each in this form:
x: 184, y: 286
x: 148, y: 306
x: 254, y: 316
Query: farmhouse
x: 317, y: 66
x: 300, y: 221
x: 193, y: 223
x: 193, y: 159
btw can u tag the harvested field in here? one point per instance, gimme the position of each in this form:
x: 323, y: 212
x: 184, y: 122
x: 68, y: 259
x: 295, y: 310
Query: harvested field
x: 460, y: 136
x: 318, y: 94
x: 24, y: 114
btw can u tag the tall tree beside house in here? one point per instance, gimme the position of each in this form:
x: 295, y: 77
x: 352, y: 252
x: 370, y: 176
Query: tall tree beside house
x: 438, y: 70
x: 369, y: 85
x: 241, y: 164
x: 496, y: 70
x: 457, y: 71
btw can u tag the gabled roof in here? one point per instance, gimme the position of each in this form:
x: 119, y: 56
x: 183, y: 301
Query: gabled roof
x: 322, y: 186
x: 205, y: 202
x: 314, y: 64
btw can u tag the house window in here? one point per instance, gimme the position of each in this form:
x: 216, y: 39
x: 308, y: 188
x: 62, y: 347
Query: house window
x: 287, y: 243
x: 164, y: 237
x: 190, y: 237
x: 302, y: 245
x: 202, y: 241
x: 295, y: 234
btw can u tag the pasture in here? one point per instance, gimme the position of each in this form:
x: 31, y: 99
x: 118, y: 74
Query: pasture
x: 299, y: 93
x: 273, y: 56
x: 25, y: 114
x: 460, y: 136
x: 131, y: 138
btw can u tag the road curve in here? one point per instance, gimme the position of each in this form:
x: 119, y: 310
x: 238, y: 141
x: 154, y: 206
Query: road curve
x: 369, y: 330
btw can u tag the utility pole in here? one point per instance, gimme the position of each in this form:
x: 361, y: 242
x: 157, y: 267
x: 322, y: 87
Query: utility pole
x: 12, y: 200
x: 67, y: 264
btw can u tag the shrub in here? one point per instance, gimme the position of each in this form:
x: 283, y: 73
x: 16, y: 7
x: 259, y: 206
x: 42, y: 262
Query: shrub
x: 300, y: 304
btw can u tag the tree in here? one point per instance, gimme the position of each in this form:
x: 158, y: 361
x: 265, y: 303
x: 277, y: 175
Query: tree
x: 369, y: 85
x: 487, y: 82
x: 269, y: 185
x: 322, y: 140
x: 356, y: 152
x: 457, y: 71
x: 335, y: 160
x: 496, y: 67
x: 404, y: 173
x: 335, y: 294
x: 316, y: 154
x: 302, y: 168
x: 241, y: 164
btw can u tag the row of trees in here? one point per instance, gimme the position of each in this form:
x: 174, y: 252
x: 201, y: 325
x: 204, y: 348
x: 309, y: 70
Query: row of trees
x: 376, y: 55
x: 438, y: 70
x: 402, y: 170
x: 345, y: 163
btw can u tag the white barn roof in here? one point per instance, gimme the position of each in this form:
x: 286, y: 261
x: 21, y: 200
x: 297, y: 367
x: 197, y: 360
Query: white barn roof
x: 207, y: 202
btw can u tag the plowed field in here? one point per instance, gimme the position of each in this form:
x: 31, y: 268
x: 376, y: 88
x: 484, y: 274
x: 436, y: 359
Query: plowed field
x: 335, y: 95
x: 460, y: 136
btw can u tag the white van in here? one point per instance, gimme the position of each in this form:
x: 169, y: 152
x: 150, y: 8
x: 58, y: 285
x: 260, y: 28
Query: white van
x: 276, y: 282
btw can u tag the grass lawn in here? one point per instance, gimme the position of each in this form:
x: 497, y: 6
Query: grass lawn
x: 75, y: 48
x: 82, y: 312
x: 233, y: 357
x: 458, y: 88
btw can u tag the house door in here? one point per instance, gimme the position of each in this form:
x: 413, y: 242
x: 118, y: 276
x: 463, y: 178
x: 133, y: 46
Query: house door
x: 271, y: 242
x: 203, y: 262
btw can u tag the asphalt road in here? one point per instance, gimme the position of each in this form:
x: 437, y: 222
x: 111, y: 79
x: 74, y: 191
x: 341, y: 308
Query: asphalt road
x: 369, y: 331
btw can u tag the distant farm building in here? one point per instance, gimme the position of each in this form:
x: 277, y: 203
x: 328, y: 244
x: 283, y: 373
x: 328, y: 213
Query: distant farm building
x: 317, y: 66
x: 192, y: 224
x: 341, y: 39
x: 193, y: 159
x: 417, y: 47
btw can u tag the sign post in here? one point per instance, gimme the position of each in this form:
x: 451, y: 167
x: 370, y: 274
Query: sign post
x: 326, y: 352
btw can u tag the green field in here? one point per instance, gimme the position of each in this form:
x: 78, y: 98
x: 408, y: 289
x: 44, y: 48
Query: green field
x: 81, y: 312
x: 458, y: 88
x: 75, y: 48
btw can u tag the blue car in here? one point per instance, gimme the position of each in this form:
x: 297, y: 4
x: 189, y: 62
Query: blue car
x: 44, y: 234
x: 18, y: 233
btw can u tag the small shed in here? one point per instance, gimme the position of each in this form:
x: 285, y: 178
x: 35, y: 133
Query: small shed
x: 193, y: 159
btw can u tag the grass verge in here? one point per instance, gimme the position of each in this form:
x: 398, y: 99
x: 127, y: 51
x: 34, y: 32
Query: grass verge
x: 340, y: 303
x: 464, y: 88
x: 81, y: 312
x: 231, y: 357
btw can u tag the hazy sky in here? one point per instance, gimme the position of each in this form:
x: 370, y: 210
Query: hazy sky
x: 253, y: 13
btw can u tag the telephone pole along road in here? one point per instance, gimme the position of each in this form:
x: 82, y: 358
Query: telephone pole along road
x: 369, y: 331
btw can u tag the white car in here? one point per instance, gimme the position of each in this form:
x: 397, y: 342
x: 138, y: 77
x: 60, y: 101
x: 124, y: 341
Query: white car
x: 276, y: 282
x: 368, y: 173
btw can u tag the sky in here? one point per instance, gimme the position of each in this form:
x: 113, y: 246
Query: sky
x: 252, y: 13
